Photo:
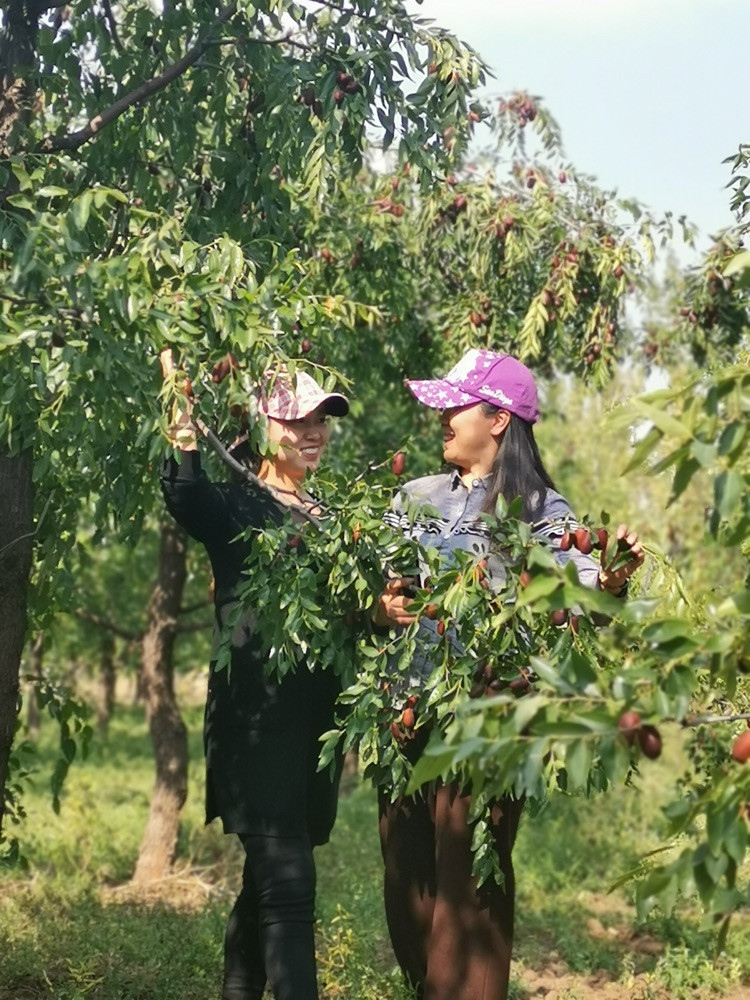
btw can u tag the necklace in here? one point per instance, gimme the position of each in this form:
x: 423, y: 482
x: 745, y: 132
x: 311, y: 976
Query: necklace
x: 295, y: 500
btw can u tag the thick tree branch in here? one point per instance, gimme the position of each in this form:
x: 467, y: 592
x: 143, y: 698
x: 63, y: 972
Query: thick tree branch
x: 107, y: 625
x: 74, y: 140
x: 194, y: 626
x: 190, y: 608
x: 41, y: 302
x: 110, y: 626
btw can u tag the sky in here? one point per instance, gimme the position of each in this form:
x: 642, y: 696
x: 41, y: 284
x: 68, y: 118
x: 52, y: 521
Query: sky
x: 650, y: 95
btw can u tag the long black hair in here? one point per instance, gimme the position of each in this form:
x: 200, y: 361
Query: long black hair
x: 518, y: 469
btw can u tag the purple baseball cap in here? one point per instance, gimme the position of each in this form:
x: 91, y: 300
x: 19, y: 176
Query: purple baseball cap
x: 482, y: 376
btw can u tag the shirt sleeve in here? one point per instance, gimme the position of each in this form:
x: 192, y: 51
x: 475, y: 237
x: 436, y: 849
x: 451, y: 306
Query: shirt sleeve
x: 557, y: 517
x: 201, y: 507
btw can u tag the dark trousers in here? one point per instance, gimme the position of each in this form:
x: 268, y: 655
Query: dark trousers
x: 452, y: 940
x: 270, y: 934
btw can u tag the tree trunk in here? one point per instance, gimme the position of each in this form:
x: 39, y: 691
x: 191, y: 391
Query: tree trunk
x: 350, y: 771
x: 18, y: 37
x: 16, y: 521
x: 138, y: 689
x: 168, y: 731
x: 108, y: 677
x: 36, y: 655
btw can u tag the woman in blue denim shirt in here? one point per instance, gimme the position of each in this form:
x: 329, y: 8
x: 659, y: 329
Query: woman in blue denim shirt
x: 452, y: 940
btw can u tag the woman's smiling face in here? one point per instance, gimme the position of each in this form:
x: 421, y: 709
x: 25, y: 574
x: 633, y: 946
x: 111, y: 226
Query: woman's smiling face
x: 301, y: 442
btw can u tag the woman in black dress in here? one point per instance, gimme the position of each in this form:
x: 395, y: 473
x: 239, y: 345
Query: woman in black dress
x: 261, y: 735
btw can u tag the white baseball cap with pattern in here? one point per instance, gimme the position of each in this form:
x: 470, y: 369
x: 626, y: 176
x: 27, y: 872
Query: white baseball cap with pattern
x: 287, y: 402
x: 485, y: 376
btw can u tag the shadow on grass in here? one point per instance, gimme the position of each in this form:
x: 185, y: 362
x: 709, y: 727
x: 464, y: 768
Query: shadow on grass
x: 67, y: 944
x: 66, y: 934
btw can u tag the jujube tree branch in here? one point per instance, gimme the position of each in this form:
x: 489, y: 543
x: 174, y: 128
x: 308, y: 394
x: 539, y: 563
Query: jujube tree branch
x: 74, y: 140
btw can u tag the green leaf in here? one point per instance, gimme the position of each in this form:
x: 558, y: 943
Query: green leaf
x: 668, y: 629
x: 68, y: 749
x: 671, y: 459
x: 578, y: 757
x: 21, y: 176
x: 640, y: 609
x: 82, y: 209
x: 526, y: 709
x: 738, y: 603
x: 728, y: 488
x: 740, y: 262
x: 541, y: 586
x: 703, y: 452
x: 667, y: 424
x: 732, y: 437
x: 430, y: 765
x: 642, y: 450
x: 736, y: 839
x: 682, y: 478
x: 648, y: 891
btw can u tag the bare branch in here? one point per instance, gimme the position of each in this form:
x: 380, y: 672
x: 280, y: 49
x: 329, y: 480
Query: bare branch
x: 340, y: 9
x: 287, y: 39
x: 112, y: 24
x: 107, y: 625
x: 190, y: 608
x: 74, y: 140
x: 29, y: 534
x: 243, y: 471
x: 116, y: 232
x: 712, y: 720
x: 194, y: 626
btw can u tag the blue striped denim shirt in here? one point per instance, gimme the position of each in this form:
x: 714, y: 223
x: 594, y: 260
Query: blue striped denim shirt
x: 451, y: 520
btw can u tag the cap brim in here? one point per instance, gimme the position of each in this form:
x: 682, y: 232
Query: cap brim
x: 335, y: 404
x: 439, y: 394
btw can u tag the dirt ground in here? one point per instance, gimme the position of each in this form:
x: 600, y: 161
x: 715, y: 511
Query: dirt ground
x: 553, y: 980
x: 189, y: 889
x: 550, y: 984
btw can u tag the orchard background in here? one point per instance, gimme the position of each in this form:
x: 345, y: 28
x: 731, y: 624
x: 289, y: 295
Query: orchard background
x: 293, y: 184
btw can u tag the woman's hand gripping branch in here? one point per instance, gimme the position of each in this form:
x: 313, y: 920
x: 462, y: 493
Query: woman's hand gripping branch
x: 392, y: 607
x: 182, y: 431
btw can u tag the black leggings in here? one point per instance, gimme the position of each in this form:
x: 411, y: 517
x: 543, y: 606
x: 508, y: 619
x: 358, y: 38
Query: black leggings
x: 270, y: 935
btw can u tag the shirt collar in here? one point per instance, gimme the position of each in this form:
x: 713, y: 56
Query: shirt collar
x: 457, y: 481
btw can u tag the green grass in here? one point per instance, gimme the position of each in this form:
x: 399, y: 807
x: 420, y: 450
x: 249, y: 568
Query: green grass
x: 71, y: 927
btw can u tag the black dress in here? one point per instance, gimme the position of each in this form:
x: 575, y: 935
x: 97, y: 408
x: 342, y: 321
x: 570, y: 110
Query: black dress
x: 260, y: 735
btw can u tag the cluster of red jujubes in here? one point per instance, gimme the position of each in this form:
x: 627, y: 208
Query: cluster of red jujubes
x: 403, y: 728
x: 346, y: 85
x: 522, y: 106
x: 587, y: 539
x: 648, y: 736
